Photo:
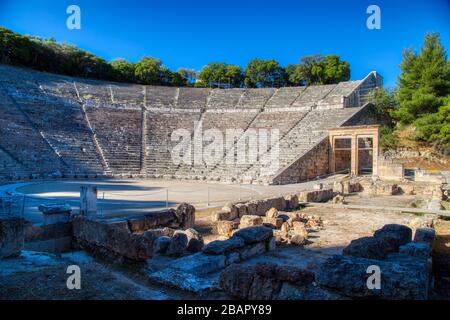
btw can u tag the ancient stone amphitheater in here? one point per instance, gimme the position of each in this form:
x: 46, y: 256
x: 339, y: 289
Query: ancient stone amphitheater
x: 54, y: 126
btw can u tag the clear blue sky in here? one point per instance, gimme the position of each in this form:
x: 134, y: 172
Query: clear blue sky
x: 192, y: 33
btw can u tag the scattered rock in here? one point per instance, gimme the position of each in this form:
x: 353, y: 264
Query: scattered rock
x: 250, y: 221
x: 272, y: 213
x: 298, y: 240
x: 226, y: 228
x: 274, y: 223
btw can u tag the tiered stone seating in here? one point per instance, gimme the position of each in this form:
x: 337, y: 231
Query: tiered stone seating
x: 160, y: 126
x: 66, y: 130
x: 94, y: 93
x: 305, y: 135
x: 161, y: 97
x: 335, y: 99
x: 284, y: 97
x: 128, y: 95
x: 225, y: 99
x: 118, y: 132
x: 192, y: 98
x: 10, y: 169
x: 221, y: 121
x: 20, y: 139
x: 255, y: 98
x: 283, y: 121
x: 311, y: 95
x: 44, y: 129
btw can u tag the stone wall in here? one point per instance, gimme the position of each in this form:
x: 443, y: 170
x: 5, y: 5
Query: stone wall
x: 53, y: 238
x: 405, y: 267
x: 390, y: 169
x: 191, y: 273
x: 11, y: 236
x: 131, y: 239
x: 313, y: 164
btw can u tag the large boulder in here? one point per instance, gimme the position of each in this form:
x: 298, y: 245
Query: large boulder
x: 394, y: 236
x: 12, y: 235
x: 254, y: 234
x: 416, y: 249
x: 272, y: 213
x: 403, y: 280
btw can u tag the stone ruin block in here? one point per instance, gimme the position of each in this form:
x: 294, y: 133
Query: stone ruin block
x: 12, y: 236
x: 111, y: 239
x: 262, y: 281
x: 88, y: 201
x: 400, y: 280
x: 55, y: 213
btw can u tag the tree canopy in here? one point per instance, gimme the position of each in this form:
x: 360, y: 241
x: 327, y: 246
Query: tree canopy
x: 319, y: 69
x: 50, y: 56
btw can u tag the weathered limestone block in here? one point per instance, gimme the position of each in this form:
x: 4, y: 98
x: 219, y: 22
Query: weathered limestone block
x: 272, y: 213
x: 291, y: 202
x: 299, y: 228
x: 56, y: 213
x: 221, y: 247
x: 394, y: 236
x: 185, y: 215
x: 416, y: 249
x: 195, y: 240
x: 12, y: 235
x: 153, y: 220
x: 242, y: 209
x: 256, y: 234
x: 426, y: 235
x: 298, y: 240
x: 161, y: 244
x: 160, y: 232
x: 226, y: 228
x: 367, y: 247
x: 252, y: 207
x: 88, y: 200
x: 261, y: 282
x: 250, y: 221
x: 339, y: 199
x: 316, y: 196
x: 112, y: 237
x: 348, y: 276
x: 274, y: 223
x: 177, y: 244
x: 252, y: 250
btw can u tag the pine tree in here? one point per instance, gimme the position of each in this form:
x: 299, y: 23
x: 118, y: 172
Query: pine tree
x: 425, y: 80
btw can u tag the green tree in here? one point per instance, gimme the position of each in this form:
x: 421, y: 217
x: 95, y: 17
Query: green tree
x: 148, y: 71
x: 264, y: 73
x: 425, y: 80
x: 189, y: 74
x: 385, y: 102
x: 218, y: 74
x: 124, y: 70
x: 318, y: 70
